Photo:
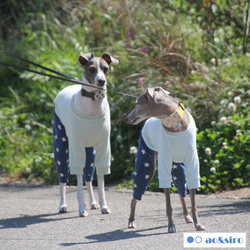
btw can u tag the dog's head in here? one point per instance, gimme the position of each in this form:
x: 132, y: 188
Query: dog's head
x: 155, y: 102
x: 96, y: 68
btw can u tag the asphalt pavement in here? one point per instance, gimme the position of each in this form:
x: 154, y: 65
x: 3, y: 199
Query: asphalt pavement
x: 29, y: 219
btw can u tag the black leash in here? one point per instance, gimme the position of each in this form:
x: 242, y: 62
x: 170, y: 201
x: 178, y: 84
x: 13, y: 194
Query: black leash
x: 63, y: 76
x: 37, y: 65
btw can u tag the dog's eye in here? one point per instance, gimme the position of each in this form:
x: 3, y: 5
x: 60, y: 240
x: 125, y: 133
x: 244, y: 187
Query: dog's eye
x: 92, y: 69
x: 105, y: 70
x: 157, y: 89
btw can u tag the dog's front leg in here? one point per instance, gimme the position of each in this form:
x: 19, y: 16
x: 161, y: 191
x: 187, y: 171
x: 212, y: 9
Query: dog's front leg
x: 169, y: 210
x: 197, y: 224
x: 82, y: 209
x: 131, y: 220
x: 93, y: 203
x: 101, y: 191
x: 63, y: 205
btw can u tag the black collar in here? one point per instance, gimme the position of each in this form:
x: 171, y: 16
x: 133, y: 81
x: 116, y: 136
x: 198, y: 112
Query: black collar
x: 88, y: 94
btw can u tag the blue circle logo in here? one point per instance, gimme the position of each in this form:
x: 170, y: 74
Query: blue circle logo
x: 190, y: 239
x: 198, y: 239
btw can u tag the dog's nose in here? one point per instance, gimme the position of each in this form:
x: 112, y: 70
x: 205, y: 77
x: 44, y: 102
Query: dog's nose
x: 101, y: 82
x: 125, y: 119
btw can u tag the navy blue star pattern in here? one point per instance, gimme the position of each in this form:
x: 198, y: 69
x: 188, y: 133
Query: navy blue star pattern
x: 178, y: 173
x: 144, y: 163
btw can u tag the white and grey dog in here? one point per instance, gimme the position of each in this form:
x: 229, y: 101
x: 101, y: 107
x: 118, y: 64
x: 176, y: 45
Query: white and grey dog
x: 171, y: 132
x: 82, y: 132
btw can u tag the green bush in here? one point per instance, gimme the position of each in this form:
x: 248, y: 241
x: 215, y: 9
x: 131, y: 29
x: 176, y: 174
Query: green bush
x: 224, y: 149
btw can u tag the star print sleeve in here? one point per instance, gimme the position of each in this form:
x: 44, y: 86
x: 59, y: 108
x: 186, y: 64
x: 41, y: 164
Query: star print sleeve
x: 178, y: 170
x: 143, y: 169
x: 61, y: 152
x: 89, y: 168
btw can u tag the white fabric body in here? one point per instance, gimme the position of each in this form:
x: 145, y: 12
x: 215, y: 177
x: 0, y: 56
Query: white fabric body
x: 84, y: 131
x: 173, y: 147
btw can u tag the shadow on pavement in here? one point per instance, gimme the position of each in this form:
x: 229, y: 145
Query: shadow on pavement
x: 236, y: 207
x: 26, y: 220
x: 121, y: 234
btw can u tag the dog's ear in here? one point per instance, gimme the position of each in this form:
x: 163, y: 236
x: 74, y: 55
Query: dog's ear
x: 150, y: 92
x: 109, y: 58
x: 86, y: 58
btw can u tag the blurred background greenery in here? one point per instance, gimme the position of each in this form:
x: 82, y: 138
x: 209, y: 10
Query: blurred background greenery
x: 197, y: 50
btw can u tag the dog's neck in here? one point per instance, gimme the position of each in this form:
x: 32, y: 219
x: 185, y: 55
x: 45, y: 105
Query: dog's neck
x: 94, y: 104
x: 177, y: 121
x: 174, y: 120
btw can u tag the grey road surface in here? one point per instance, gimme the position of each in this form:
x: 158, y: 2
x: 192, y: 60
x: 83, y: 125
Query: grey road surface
x: 29, y: 219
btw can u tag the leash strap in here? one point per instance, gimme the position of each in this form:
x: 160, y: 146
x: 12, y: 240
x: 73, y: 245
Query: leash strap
x: 65, y: 77
x: 120, y: 93
x: 38, y: 65
x: 44, y: 74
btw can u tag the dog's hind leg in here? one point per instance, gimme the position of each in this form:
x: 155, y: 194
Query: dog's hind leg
x: 179, y: 180
x: 82, y: 209
x: 169, y: 211
x: 197, y: 224
x: 101, y: 191
x: 186, y: 214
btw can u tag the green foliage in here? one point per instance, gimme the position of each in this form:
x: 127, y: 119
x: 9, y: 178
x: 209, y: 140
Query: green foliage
x: 224, y: 149
x: 198, y: 50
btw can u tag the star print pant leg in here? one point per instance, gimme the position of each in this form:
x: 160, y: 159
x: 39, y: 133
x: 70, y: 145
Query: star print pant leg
x: 89, y: 168
x: 61, y: 151
x: 178, y: 172
x: 143, y: 169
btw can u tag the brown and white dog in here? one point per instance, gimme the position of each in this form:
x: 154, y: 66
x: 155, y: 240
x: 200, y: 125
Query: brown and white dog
x: 81, y: 122
x: 171, y: 132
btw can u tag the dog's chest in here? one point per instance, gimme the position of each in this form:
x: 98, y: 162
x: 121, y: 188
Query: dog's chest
x: 87, y: 106
x: 175, y: 145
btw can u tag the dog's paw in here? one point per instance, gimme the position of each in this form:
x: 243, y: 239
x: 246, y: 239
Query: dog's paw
x: 106, y: 210
x: 131, y: 224
x: 94, y: 206
x: 62, y: 209
x: 200, y: 227
x: 171, y: 229
x: 188, y: 219
x: 83, y: 213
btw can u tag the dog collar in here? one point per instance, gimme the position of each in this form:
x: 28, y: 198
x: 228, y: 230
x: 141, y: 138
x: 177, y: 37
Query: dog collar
x: 174, y: 120
x: 95, y: 96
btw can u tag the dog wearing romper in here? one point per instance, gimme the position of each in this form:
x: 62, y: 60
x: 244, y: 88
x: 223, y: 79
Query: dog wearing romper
x: 82, y: 132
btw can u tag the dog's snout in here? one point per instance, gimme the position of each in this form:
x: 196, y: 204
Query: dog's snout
x: 126, y: 119
x: 101, y: 82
